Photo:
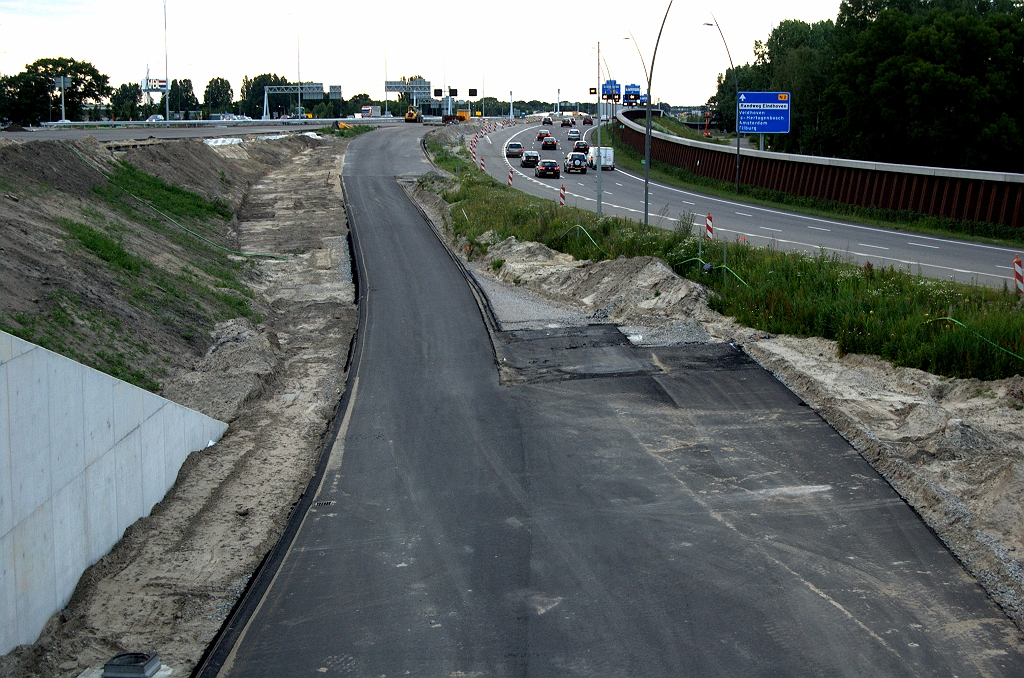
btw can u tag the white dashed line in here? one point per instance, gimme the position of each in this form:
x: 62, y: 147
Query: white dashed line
x: 875, y: 247
x: 744, y: 215
x: 1008, y: 268
x: 921, y: 244
x: 617, y: 183
x: 765, y: 228
x: 819, y: 228
x: 686, y: 202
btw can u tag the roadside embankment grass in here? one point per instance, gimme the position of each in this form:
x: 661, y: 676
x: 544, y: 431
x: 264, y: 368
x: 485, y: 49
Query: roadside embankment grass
x: 630, y: 159
x: 944, y: 327
x: 346, y: 132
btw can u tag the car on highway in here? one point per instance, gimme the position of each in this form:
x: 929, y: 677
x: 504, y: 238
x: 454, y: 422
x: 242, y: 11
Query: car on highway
x: 543, y: 134
x: 587, y: 120
x: 547, y: 168
x: 529, y: 159
x: 566, y: 122
x: 549, y: 144
x: 155, y: 118
x: 514, y: 149
x: 575, y: 162
x: 546, y: 121
x: 581, y: 147
x: 574, y: 135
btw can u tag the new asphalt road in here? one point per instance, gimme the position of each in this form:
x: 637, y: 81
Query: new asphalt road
x: 605, y: 511
x: 623, y: 195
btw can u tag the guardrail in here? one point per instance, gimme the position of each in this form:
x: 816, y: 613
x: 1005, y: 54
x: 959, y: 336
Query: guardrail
x: 222, y: 123
x: 990, y: 197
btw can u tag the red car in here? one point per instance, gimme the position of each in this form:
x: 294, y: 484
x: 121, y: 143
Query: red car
x: 543, y: 134
x: 547, y: 168
x: 549, y: 143
x: 566, y: 122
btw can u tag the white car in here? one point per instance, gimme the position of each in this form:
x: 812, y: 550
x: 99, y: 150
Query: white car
x: 155, y: 118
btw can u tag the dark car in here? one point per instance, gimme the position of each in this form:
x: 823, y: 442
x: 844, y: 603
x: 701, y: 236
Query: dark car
x: 547, y: 168
x: 514, y: 149
x: 543, y: 134
x: 587, y: 120
x: 546, y: 121
x: 581, y: 147
x: 566, y: 122
x: 529, y: 159
x: 576, y: 162
x: 549, y: 143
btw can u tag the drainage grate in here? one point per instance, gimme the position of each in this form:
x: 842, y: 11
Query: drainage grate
x: 323, y: 503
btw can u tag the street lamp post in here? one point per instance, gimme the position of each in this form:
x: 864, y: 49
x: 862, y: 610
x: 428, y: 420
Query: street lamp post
x: 599, y: 128
x: 735, y: 82
x: 647, y: 136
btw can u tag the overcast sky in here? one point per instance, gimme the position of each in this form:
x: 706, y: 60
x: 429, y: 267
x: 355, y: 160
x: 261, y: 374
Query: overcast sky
x: 532, y: 49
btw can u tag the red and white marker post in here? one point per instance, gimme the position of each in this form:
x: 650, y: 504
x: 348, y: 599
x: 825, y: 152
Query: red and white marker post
x: 709, y: 229
x: 561, y: 196
x: 510, y: 170
x: 1018, y: 274
x: 482, y: 166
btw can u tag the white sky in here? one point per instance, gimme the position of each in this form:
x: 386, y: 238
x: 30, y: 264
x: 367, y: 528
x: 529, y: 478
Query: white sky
x: 530, y: 48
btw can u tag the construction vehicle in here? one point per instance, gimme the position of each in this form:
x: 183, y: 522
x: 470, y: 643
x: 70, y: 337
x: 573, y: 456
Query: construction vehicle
x: 413, y: 114
x: 462, y: 114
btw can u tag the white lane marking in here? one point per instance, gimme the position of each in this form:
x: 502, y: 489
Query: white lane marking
x: 794, y: 490
x: 1008, y: 268
x: 871, y: 229
x: 876, y: 247
x: 585, y: 184
x: 744, y: 215
x: 492, y: 143
x: 617, y: 183
x: 607, y: 192
x: 765, y: 228
x: 819, y: 228
x: 685, y: 202
x: 819, y: 247
x: 921, y: 244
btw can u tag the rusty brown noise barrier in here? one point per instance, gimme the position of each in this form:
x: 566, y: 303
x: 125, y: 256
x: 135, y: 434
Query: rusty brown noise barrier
x: 990, y: 197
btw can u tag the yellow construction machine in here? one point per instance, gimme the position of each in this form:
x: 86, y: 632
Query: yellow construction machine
x: 413, y: 115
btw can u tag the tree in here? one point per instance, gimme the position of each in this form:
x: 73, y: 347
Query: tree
x: 218, y: 95
x: 125, y: 102
x: 252, y: 95
x: 181, y: 96
x: 356, y: 103
x: 30, y: 96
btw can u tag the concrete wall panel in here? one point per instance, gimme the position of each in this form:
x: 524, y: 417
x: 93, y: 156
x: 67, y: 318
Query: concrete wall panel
x: 82, y: 457
x: 29, y: 431
x: 67, y: 428
x: 70, y: 523
x: 6, y: 488
x: 8, y: 632
x: 34, y: 572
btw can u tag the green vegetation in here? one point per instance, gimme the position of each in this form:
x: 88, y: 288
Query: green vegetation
x: 346, y: 132
x: 630, y: 159
x: 674, y: 126
x: 106, y: 248
x: 167, y: 198
x: 876, y: 84
x: 899, y: 315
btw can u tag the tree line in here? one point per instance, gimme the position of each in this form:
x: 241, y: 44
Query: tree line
x: 30, y: 97
x: 922, y: 82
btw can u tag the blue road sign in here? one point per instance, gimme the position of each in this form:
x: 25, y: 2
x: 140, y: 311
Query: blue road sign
x: 632, y: 92
x: 764, y: 112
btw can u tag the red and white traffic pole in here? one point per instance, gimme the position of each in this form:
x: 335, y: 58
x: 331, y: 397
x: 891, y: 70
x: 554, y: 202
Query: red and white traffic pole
x: 510, y: 170
x: 561, y: 196
x: 1018, y: 274
x: 482, y: 167
x: 709, y: 229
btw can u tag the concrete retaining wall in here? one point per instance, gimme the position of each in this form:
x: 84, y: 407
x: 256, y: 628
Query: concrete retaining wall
x: 82, y: 457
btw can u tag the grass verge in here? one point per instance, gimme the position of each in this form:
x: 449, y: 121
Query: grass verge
x: 347, y: 132
x: 947, y: 328
x: 630, y: 159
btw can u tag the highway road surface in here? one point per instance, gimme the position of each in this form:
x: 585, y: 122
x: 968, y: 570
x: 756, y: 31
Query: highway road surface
x: 606, y: 511
x: 623, y: 195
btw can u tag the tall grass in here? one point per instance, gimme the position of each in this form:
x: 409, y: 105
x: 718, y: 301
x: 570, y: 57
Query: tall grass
x: 168, y: 198
x: 890, y: 313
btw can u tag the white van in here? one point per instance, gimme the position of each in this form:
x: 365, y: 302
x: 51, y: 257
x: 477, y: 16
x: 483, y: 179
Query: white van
x: 607, y: 157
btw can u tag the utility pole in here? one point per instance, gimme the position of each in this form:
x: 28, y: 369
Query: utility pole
x: 167, y: 81
x: 599, y: 128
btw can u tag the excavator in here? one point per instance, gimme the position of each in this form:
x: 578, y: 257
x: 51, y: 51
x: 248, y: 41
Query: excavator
x: 413, y: 114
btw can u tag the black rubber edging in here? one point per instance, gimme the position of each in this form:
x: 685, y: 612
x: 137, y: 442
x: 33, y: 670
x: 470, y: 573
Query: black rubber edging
x: 224, y: 642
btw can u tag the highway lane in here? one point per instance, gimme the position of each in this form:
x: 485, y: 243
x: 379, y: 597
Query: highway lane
x: 623, y: 195
x: 609, y: 511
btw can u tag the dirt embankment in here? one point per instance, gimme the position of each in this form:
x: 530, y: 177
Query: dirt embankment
x: 275, y: 374
x: 953, y: 448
